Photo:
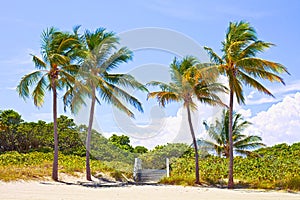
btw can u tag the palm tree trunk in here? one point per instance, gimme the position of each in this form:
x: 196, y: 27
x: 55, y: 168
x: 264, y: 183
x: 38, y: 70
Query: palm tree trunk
x: 55, y: 159
x: 89, y: 135
x: 230, y: 177
x: 195, y: 145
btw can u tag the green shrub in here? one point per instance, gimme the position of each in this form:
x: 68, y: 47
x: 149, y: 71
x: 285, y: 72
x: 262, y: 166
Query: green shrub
x: 276, y: 168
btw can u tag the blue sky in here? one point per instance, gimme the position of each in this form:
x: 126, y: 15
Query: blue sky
x: 276, y: 120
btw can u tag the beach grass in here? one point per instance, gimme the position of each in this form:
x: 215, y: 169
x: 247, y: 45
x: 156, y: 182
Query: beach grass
x: 16, y: 166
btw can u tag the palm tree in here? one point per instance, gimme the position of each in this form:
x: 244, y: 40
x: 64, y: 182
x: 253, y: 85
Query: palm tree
x: 219, y: 133
x: 55, y: 71
x: 187, y: 84
x: 241, y: 66
x: 102, y: 55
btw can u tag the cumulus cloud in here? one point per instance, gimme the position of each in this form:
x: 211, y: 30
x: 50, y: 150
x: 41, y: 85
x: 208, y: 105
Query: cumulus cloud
x: 245, y: 113
x: 167, y: 129
x: 280, y: 123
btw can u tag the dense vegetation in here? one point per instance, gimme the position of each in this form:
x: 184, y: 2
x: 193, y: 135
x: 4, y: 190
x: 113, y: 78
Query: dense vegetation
x: 24, y: 137
x: 277, y: 167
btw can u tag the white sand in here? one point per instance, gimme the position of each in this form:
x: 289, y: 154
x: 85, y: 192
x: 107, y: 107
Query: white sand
x: 59, y: 191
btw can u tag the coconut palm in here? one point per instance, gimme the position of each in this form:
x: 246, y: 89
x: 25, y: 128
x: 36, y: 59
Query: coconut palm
x: 186, y: 86
x: 219, y: 134
x: 96, y: 81
x: 55, y: 71
x: 241, y: 66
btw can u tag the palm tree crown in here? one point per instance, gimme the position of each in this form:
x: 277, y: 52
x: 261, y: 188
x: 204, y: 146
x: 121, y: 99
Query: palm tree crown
x: 219, y: 133
x: 239, y: 62
x: 55, y: 66
x: 101, y: 57
x: 189, y: 81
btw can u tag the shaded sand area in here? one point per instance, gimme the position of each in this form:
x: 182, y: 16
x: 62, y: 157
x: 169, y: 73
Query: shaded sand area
x: 62, y: 191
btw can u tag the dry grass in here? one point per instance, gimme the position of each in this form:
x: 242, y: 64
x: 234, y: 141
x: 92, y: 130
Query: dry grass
x: 38, y: 166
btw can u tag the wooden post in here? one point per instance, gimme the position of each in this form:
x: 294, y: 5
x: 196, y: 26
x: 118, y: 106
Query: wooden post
x: 137, y: 169
x: 168, y: 167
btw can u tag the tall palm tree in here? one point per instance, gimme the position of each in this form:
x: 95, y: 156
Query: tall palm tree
x: 55, y: 71
x: 219, y: 133
x: 188, y: 84
x: 96, y: 81
x: 241, y: 66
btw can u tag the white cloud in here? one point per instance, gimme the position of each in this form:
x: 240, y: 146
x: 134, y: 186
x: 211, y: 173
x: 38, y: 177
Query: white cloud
x: 167, y: 129
x: 280, y: 123
x: 279, y: 91
x: 293, y: 86
x: 245, y: 113
x: 251, y: 95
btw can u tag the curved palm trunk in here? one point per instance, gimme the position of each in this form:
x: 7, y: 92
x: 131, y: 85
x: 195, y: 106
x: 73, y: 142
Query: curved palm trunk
x: 230, y: 175
x: 55, y: 159
x: 195, y: 145
x: 89, y: 135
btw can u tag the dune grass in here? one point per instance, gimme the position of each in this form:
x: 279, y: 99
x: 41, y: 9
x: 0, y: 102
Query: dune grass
x: 38, y: 166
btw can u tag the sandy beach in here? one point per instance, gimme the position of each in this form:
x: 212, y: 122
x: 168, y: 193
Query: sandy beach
x: 53, y: 190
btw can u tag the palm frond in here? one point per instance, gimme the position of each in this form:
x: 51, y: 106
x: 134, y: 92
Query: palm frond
x: 65, y: 79
x: 67, y: 41
x: 122, y: 94
x: 39, y: 91
x: 251, y: 140
x: 263, y: 74
x: 247, y: 80
x: 59, y: 59
x: 108, y: 96
x: 28, y: 81
x: 254, y: 48
x: 76, y: 96
x: 240, y: 31
x: 236, y: 85
x: 162, y: 86
x: 125, y: 80
x: 39, y: 64
x: 71, y: 69
x: 123, y: 55
x: 214, y: 56
x: 252, y: 64
x: 164, y: 98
